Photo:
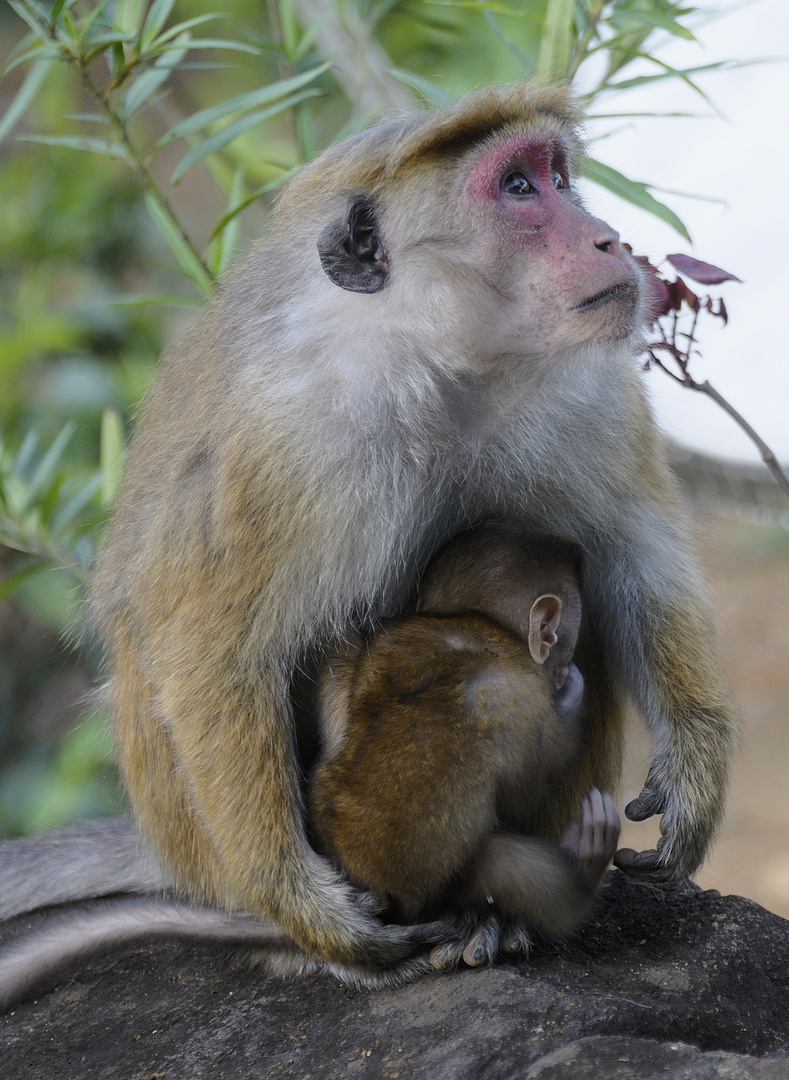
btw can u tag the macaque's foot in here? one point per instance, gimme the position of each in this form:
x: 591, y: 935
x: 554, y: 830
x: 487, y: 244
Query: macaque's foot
x: 590, y: 842
x: 478, y: 940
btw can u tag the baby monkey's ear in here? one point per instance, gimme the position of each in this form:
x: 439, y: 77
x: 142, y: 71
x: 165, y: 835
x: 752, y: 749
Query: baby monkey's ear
x: 544, y: 617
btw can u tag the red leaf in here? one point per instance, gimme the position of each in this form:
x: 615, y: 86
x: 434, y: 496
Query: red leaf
x: 679, y: 291
x: 703, y: 272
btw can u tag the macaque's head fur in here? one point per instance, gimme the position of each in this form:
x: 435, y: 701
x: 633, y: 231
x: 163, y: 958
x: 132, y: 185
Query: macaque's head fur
x: 453, y: 259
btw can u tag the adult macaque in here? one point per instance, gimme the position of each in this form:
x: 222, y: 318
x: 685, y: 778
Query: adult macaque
x: 435, y: 333
x: 458, y: 721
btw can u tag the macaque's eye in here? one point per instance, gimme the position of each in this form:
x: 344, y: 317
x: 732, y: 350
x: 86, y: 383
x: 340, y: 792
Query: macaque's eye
x: 516, y: 183
x: 557, y: 180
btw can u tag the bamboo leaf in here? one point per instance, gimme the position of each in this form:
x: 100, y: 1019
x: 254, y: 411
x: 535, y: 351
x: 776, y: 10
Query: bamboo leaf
x: 272, y: 185
x: 633, y: 191
x: 310, y: 34
x: 81, y: 142
x: 190, y: 264
x: 44, y: 472
x: 212, y: 43
x: 26, y: 52
x: 553, y: 59
x: 289, y: 27
x: 86, y: 117
x: 37, y: 27
x: 241, y: 103
x: 224, y: 240
x: 118, y: 61
x: 130, y: 16
x: 107, y: 42
x: 24, y: 454
x: 71, y: 30
x: 661, y: 22
x: 149, y: 82
x: 306, y: 135
x: 86, y: 24
x: 110, y: 455
x: 15, y: 499
x: 111, y: 37
x: 158, y: 14
x: 32, y: 83
x: 226, y: 134
x: 189, y: 24
x: 652, y: 115
x: 671, y: 73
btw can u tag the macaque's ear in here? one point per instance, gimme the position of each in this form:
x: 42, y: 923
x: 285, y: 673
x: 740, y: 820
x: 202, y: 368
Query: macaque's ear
x: 351, y: 251
x: 543, y: 624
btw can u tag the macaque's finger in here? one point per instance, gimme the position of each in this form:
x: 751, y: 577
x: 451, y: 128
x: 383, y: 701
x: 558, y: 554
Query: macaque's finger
x: 628, y: 859
x: 483, y: 947
x: 515, y: 938
x: 447, y: 955
x: 476, y: 940
x: 648, y: 867
x: 649, y: 802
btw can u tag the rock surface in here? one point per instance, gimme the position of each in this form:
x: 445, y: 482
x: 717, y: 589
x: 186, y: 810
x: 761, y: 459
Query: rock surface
x: 655, y: 986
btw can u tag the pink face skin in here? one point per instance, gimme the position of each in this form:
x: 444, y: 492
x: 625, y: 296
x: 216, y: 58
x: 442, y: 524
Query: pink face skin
x: 565, y: 272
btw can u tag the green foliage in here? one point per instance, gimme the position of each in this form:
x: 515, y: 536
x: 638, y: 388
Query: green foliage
x: 77, y: 781
x: 50, y: 510
x: 140, y: 145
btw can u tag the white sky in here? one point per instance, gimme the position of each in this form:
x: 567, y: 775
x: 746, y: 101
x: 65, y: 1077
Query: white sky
x: 744, y: 160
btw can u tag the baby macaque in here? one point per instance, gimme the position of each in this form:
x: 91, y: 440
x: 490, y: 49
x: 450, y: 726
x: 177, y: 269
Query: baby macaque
x: 456, y: 723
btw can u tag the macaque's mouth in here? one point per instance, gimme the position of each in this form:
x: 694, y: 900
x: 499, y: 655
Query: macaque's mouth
x: 624, y: 289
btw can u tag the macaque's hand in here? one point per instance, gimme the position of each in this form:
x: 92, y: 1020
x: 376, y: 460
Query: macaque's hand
x: 665, y: 864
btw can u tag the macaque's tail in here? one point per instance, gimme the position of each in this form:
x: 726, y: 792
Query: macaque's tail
x: 39, y: 956
x: 78, y: 862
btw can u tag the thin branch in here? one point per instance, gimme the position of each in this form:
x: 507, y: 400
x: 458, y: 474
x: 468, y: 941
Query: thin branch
x: 136, y: 162
x: 767, y: 455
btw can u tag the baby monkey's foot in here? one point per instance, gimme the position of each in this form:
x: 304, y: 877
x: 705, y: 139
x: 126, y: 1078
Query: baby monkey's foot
x: 590, y: 842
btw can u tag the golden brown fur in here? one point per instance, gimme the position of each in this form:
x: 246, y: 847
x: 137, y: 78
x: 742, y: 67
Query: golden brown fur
x: 458, y: 722
x: 306, y: 448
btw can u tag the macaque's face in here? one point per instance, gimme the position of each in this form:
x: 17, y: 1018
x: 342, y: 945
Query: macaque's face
x: 557, y: 276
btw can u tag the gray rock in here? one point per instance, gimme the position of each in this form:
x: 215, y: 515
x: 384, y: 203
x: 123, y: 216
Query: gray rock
x: 657, y: 985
